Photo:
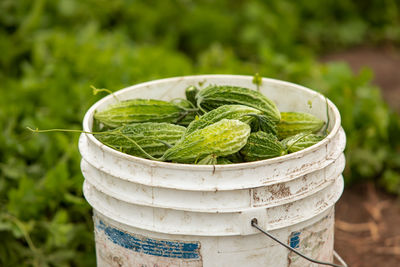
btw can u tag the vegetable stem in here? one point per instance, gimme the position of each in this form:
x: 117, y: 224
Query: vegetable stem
x: 116, y: 132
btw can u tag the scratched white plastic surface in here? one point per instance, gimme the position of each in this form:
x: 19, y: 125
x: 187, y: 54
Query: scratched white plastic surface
x: 223, y: 251
x: 217, y: 203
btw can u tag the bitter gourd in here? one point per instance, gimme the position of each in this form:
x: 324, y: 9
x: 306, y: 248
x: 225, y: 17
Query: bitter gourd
x: 293, y: 123
x: 245, y: 114
x: 215, y: 96
x: 153, y: 137
x: 140, y: 110
x: 222, y: 138
x: 261, y: 145
x: 301, y: 141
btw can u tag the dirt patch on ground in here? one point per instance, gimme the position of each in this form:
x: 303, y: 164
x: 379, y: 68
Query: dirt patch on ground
x: 367, y: 227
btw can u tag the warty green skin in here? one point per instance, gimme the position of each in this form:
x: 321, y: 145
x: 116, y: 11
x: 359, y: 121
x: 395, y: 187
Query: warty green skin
x: 147, y: 135
x: 208, y: 160
x: 235, y: 157
x: 293, y: 123
x: 230, y: 112
x: 140, y: 110
x: 301, y: 141
x: 214, y: 160
x: 223, y: 161
x: 261, y: 145
x: 222, y: 138
x: 216, y: 96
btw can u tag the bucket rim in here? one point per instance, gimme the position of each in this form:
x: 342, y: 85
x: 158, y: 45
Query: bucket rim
x: 235, y: 166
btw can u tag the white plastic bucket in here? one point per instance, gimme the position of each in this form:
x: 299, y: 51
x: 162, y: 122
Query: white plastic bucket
x: 149, y: 213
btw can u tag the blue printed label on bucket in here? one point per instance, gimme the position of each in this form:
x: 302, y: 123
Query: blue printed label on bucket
x: 315, y: 241
x: 119, y: 248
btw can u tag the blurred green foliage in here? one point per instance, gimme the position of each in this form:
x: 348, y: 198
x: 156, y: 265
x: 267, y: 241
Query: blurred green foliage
x: 52, y: 51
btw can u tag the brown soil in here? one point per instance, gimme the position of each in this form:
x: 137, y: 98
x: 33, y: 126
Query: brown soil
x: 367, y: 227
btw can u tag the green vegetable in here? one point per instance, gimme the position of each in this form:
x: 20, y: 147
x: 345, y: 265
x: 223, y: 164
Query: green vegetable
x: 215, y: 96
x: 154, y: 138
x: 191, y: 93
x: 301, y: 141
x: 140, y: 110
x: 235, y: 157
x: 222, y: 138
x: 293, y: 123
x: 261, y: 145
x: 245, y: 114
x: 208, y: 160
x: 214, y: 160
x: 223, y: 161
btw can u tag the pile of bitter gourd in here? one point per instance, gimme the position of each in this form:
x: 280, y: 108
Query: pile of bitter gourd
x: 215, y: 125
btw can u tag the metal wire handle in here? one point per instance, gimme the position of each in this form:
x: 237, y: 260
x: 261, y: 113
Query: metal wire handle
x: 254, y: 223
